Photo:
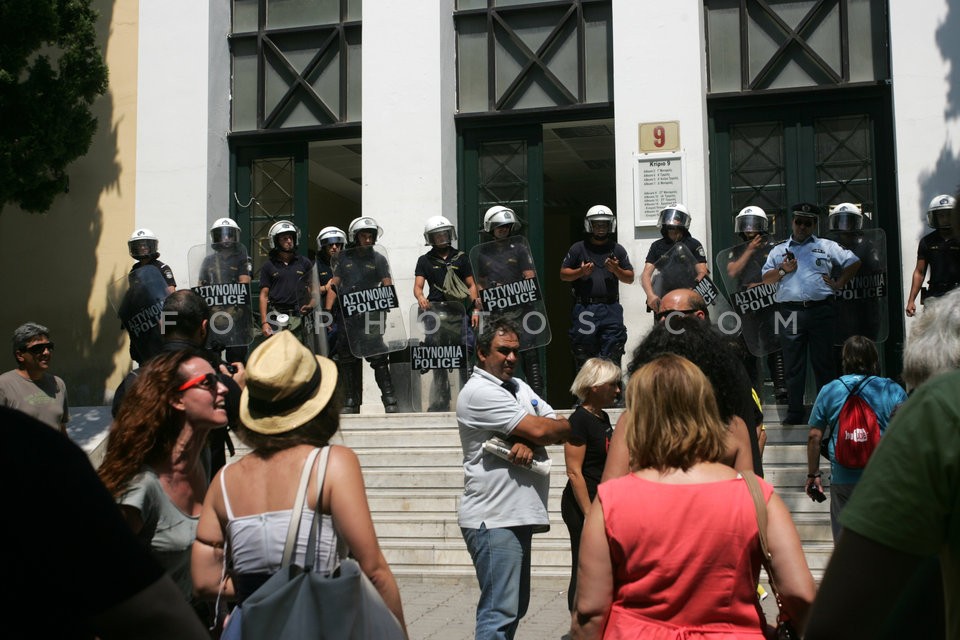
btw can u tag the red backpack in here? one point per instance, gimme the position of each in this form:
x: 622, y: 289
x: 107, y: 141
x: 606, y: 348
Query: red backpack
x: 858, y: 431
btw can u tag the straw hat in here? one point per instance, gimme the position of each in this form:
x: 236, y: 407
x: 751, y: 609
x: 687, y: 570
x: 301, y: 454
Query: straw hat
x: 286, y: 385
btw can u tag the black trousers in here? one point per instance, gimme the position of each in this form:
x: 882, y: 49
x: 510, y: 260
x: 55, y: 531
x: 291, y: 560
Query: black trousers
x: 573, y: 518
x: 806, y: 332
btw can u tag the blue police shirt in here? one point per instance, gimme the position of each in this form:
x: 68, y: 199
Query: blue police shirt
x: 816, y: 258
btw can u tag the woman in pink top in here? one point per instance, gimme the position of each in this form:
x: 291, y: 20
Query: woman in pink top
x: 674, y: 551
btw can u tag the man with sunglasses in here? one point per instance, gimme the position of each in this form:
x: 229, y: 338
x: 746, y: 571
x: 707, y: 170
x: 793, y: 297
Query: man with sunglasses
x: 504, y: 501
x: 30, y: 388
x: 801, y: 268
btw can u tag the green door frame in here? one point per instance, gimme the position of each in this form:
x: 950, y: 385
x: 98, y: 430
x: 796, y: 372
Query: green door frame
x: 797, y: 112
x: 470, y: 217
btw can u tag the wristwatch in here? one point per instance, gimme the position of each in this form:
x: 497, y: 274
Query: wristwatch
x: 781, y: 272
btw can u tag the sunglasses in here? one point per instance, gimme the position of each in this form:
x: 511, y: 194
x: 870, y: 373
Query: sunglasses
x: 662, y: 315
x: 39, y: 348
x: 506, y: 351
x: 207, y: 382
x: 803, y: 222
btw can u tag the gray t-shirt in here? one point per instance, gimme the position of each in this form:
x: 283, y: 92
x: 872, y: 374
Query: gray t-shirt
x: 496, y: 492
x: 45, y: 400
x: 168, y: 532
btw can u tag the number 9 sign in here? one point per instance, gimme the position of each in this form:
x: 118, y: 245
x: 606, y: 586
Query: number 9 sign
x: 659, y: 136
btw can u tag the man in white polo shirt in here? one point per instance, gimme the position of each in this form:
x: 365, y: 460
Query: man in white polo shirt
x: 504, y: 501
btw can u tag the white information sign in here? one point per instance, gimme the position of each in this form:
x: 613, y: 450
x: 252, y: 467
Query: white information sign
x: 657, y: 184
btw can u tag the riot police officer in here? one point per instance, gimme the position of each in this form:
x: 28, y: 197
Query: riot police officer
x: 229, y: 264
x: 148, y: 283
x: 674, y: 224
x: 330, y: 242
x: 284, y: 288
x: 596, y: 267
x: 144, y: 248
x: 939, y: 250
x: 744, y: 264
x: 361, y: 267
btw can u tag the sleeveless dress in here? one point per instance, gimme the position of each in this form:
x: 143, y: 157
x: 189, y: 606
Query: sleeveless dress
x: 255, y: 543
x: 686, y: 559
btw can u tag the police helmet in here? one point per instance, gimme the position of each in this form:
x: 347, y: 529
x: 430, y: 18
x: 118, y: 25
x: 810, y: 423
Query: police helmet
x: 673, y: 217
x: 281, y: 227
x: 938, y: 213
x: 751, y: 220
x: 845, y: 217
x: 498, y: 216
x: 364, y: 224
x: 436, y: 224
x: 143, y: 244
x: 599, y: 213
x: 330, y: 235
x: 224, y: 233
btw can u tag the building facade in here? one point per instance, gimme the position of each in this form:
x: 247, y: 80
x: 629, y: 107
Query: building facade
x: 319, y: 111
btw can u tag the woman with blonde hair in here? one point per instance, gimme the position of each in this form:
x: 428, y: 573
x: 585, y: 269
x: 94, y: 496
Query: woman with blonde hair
x: 673, y: 549
x: 596, y: 387
x: 153, y: 465
x: 288, y: 410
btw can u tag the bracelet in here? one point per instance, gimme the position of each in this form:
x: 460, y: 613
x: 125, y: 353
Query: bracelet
x: 814, y: 475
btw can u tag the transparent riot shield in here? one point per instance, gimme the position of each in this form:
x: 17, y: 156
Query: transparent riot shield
x: 439, y: 357
x: 367, y: 298
x: 214, y: 275
x: 508, y: 284
x: 862, y: 305
x: 138, y: 300
x: 677, y: 269
x: 739, y: 269
x: 317, y: 323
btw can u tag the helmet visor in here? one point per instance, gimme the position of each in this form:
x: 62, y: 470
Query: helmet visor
x: 224, y: 235
x: 751, y: 223
x: 845, y: 221
x: 939, y: 218
x: 674, y: 218
x: 142, y: 248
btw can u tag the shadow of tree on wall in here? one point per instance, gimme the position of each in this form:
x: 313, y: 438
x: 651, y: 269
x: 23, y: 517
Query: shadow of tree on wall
x: 945, y: 175
x: 51, y: 262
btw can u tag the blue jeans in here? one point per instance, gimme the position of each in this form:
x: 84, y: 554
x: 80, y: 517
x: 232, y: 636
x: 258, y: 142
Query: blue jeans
x: 501, y: 558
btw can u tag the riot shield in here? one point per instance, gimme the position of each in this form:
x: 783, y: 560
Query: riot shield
x: 214, y: 275
x: 677, y: 269
x: 752, y: 301
x: 317, y: 323
x: 138, y: 300
x: 439, y: 358
x: 862, y: 305
x: 508, y: 284
x: 372, y: 320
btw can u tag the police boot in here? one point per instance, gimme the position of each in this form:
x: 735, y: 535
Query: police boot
x: 440, y: 391
x: 381, y: 373
x: 533, y: 371
x: 351, y: 385
x: 779, y: 376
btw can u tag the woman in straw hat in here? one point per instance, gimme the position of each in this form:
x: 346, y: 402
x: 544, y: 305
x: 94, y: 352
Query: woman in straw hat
x: 287, y: 410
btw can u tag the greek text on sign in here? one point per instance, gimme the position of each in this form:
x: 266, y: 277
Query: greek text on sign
x: 873, y: 285
x: 145, y: 320
x: 223, y: 295
x: 708, y: 290
x: 755, y: 298
x: 510, y: 295
x: 367, y: 300
x: 423, y: 358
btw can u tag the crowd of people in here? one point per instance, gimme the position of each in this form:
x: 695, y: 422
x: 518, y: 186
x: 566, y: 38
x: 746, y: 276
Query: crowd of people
x: 669, y: 518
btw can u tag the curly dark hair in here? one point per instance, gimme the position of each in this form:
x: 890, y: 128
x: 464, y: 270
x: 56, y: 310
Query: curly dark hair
x: 315, y: 432
x: 147, y: 425
x: 698, y: 342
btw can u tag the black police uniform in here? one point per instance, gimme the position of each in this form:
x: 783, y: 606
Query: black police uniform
x: 942, y: 256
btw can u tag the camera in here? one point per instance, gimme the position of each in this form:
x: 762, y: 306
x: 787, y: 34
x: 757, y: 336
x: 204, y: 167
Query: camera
x: 816, y: 494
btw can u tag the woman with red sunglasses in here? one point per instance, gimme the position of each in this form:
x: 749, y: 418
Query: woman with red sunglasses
x: 154, y: 465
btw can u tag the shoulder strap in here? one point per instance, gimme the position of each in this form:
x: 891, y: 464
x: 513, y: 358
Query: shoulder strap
x: 315, y: 527
x: 760, y: 505
x: 294, y: 527
x: 223, y: 490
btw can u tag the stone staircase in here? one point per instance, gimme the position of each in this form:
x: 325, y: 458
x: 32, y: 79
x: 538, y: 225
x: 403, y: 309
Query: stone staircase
x: 412, y: 467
